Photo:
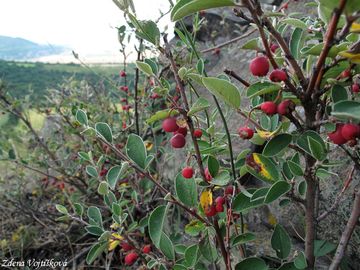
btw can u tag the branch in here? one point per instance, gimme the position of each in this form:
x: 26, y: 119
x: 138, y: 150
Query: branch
x: 236, y: 76
x: 345, y: 237
x: 329, y: 37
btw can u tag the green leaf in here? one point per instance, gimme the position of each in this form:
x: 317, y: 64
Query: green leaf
x: 94, y: 230
x: 91, y: 170
x: 84, y: 156
x: 184, y: 8
x: 346, y: 110
x: 295, y: 168
x: 103, y: 188
x: 224, y: 90
x: 288, y: 266
x: 297, y: 42
x: 316, y: 149
x: 62, y: 209
x: 221, y: 179
x: 194, y: 227
x: 153, y: 65
x: 147, y: 30
x: 156, y: 223
x: 302, y: 188
x: 79, y: 209
x: 104, y: 130
x: 81, y: 117
x: 115, y: 173
x: 243, y: 238
x: 323, y: 247
x: 199, y: 105
x: 277, y: 190
x: 191, y: 255
x: 252, y: 44
x: 280, y: 242
x: 94, y: 214
x: 186, y: 190
x: 338, y: 93
x: 303, y: 142
x: 277, y: 144
x: 213, y: 165
x: 160, y: 115
x: 200, y: 66
x: 95, y: 251
x: 317, y: 49
x: 144, y: 67
x: 251, y: 263
x: 243, y: 203
x: 295, y: 22
x: 300, y: 261
x: 135, y: 150
x: 167, y: 247
x: 207, y: 249
x: 265, y: 169
x: 261, y: 88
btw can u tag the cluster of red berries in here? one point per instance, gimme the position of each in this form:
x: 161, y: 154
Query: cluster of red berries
x: 218, y: 206
x: 179, y: 133
x: 345, y: 133
x: 124, y: 88
x: 132, y: 257
x: 122, y: 74
x: 260, y: 67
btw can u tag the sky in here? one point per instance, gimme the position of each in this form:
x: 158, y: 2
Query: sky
x: 86, y: 26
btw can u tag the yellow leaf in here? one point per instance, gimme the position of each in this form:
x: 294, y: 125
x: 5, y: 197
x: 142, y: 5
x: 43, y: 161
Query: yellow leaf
x: 206, y: 200
x: 353, y: 57
x: 148, y: 145
x: 262, y: 169
x: 117, y: 236
x: 113, y: 244
x: 264, y: 134
x: 272, y: 219
x: 355, y: 27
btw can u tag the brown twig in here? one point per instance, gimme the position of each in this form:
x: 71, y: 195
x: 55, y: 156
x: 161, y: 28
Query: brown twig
x: 346, y: 235
x: 236, y: 76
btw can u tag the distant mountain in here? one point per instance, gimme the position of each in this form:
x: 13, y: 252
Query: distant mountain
x: 22, y: 49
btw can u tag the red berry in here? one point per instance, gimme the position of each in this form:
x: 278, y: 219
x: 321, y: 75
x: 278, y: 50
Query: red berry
x: 285, y: 107
x: 220, y: 200
x: 245, y: 133
x: 259, y: 66
x: 170, y: 125
x: 197, y: 133
x: 202, y: 13
x: 269, y: 107
x: 208, y: 176
x: 122, y: 73
x: 187, y: 172
x: 274, y: 47
x: 131, y: 258
x: 345, y: 74
x: 146, y: 249
x: 151, y: 82
x: 123, y: 100
x: 229, y: 190
x: 278, y: 75
x: 350, y: 131
x: 126, y: 247
x: 355, y: 88
x: 336, y: 136
x: 126, y: 107
x: 211, y: 211
x: 219, y: 208
x: 178, y: 141
x: 124, y: 88
x: 182, y: 130
x: 155, y: 96
x: 217, y: 51
x: 103, y: 172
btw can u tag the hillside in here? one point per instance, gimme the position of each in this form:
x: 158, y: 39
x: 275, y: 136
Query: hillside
x: 22, y: 49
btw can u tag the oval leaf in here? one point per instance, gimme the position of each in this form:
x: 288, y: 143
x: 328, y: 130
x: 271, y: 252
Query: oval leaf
x: 280, y: 242
x: 186, y: 190
x: 135, y: 150
x: 277, y: 144
x: 251, y: 263
x: 104, y: 130
x: 276, y: 191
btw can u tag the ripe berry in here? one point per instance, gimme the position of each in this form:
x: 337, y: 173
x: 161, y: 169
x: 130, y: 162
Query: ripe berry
x: 217, y: 51
x: 126, y: 247
x: 229, y: 190
x: 124, y: 88
x: 211, y: 211
x: 355, y: 88
x: 336, y: 136
x: 259, y: 66
x: 208, y: 176
x: 278, y: 75
x: 155, y: 96
x: 285, y: 107
x: 245, y: 133
x: 103, y: 172
x: 122, y: 73
x: 178, y: 141
x: 126, y: 107
x: 131, y: 258
x: 269, y: 107
x: 220, y: 200
x: 219, y: 208
x: 182, y: 130
x: 146, y: 249
x: 274, y: 47
x: 197, y: 133
x: 170, y: 125
x: 350, y: 131
x: 187, y: 172
x: 345, y: 74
